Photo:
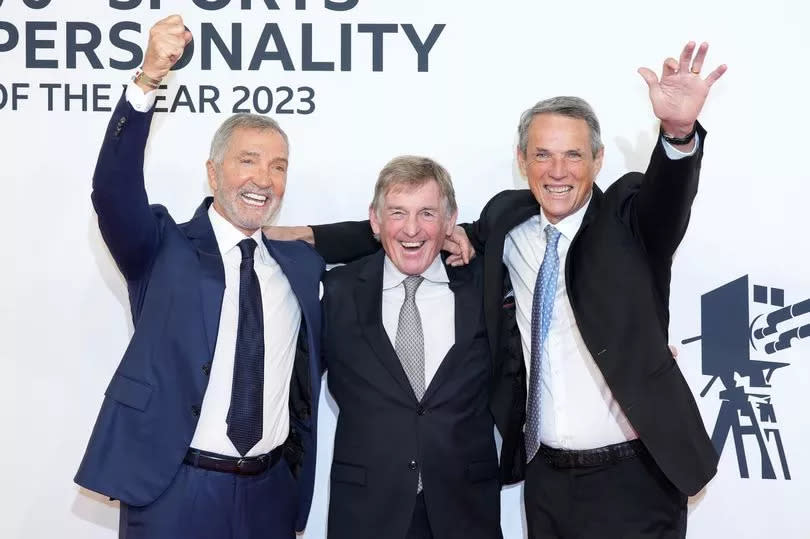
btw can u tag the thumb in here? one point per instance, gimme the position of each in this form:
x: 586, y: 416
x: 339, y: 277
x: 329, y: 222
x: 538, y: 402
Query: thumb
x: 187, y: 36
x: 649, y: 76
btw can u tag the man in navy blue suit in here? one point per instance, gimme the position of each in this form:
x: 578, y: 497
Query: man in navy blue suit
x: 207, y: 429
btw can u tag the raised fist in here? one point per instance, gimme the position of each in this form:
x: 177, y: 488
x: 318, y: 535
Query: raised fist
x: 167, y: 39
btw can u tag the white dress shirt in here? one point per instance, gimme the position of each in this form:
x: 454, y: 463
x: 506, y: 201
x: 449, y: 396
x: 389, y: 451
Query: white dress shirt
x: 437, y: 311
x: 282, y: 320
x: 577, y: 408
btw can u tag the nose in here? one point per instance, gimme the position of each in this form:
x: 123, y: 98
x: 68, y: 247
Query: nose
x: 557, y: 171
x: 264, y: 179
x: 411, y: 226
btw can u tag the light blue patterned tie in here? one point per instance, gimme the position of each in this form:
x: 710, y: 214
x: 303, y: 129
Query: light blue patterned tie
x: 542, y: 305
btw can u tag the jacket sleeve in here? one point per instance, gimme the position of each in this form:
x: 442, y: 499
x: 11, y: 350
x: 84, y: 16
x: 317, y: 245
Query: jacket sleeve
x: 658, y: 211
x: 127, y: 223
x: 344, y: 242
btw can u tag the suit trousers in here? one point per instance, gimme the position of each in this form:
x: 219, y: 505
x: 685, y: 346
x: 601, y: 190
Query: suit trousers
x: 628, y: 499
x: 206, y: 504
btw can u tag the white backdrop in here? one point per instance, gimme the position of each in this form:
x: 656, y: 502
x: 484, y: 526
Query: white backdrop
x: 65, y: 323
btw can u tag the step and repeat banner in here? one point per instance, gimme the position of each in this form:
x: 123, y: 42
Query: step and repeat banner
x: 354, y: 83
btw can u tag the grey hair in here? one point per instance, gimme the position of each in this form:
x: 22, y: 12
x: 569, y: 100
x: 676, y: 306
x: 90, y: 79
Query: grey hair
x: 572, y: 107
x: 222, y: 138
x: 413, y: 171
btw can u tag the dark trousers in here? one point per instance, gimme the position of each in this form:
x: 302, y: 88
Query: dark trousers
x: 420, y: 525
x: 204, y: 504
x: 628, y: 499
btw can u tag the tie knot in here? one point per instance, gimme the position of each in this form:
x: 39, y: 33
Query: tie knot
x: 552, y: 235
x: 411, y: 283
x: 247, y: 246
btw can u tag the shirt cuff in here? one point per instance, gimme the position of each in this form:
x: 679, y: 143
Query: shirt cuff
x: 140, y: 101
x: 675, y: 154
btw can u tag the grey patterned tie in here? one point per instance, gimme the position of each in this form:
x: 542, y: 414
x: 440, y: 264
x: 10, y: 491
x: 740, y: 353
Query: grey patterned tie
x: 410, y: 343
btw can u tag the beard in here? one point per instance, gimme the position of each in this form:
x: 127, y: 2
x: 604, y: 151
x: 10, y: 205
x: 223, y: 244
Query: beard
x: 240, y: 213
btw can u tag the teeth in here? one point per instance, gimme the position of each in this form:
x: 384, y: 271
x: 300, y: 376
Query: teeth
x: 253, y: 199
x: 558, y: 190
x: 411, y: 243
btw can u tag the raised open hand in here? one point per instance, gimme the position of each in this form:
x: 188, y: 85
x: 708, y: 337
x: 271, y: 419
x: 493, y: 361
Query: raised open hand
x: 680, y: 94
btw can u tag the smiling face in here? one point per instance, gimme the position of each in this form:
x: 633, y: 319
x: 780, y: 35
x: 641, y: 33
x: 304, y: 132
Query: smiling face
x: 412, y: 225
x: 559, y: 164
x: 249, y: 183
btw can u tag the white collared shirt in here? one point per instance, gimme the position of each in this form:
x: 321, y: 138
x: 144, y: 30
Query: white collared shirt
x: 282, y: 320
x: 437, y: 311
x: 577, y: 409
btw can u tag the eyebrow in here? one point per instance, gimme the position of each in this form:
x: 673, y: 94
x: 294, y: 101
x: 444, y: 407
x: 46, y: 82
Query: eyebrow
x: 248, y: 153
x: 542, y: 149
x: 432, y: 208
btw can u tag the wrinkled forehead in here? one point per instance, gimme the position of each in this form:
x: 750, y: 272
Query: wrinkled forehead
x: 253, y: 139
x: 424, y: 192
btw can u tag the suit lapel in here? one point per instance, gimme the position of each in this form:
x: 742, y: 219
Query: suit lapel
x: 467, y: 300
x: 368, y: 300
x: 212, y: 271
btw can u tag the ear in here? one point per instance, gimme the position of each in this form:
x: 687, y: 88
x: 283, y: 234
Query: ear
x: 451, y: 224
x: 211, y: 170
x: 521, y: 160
x: 375, y: 223
x: 597, y: 162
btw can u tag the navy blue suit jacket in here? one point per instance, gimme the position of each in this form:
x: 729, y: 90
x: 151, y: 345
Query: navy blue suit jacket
x: 176, y: 280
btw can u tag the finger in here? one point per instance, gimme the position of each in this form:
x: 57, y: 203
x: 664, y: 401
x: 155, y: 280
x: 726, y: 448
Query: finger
x: 649, y: 76
x: 686, y: 56
x: 697, y: 63
x: 670, y: 67
x: 452, y: 260
x: 716, y: 74
x: 171, y: 19
x: 451, y: 246
x: 673, y: 350
x: 187, y: 37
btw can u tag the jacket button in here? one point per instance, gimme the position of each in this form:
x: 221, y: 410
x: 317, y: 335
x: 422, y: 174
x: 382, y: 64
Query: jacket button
x: 122, y: 120
x: 412, y: 465
x: 195, y: 410
x: 206, y: 368
x: 420, y: 411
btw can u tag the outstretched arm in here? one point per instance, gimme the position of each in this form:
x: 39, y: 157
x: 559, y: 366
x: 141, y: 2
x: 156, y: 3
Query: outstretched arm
x: 350, y: 240
x: 127, y: 224
x: 659, y: 212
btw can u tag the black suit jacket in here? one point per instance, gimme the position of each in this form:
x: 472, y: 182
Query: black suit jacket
x: 384, y: 437
x: 618, y: 276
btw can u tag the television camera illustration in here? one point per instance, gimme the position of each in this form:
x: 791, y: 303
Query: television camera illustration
x: 728, y: 336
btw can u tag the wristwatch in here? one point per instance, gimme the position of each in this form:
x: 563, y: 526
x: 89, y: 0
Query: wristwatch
x: 680, y: 141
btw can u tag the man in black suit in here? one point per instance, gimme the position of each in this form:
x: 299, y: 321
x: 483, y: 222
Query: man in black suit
x: 409, y: 367
x: 577, y: 296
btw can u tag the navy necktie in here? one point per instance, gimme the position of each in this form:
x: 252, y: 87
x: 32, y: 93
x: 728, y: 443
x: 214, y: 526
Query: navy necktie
x: 545, y: 288
x: 247, y: 394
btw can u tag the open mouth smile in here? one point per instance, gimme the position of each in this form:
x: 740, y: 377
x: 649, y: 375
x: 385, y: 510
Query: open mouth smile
x: 254, y: 199
x: 558, y: 189
x: 412, y: 246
